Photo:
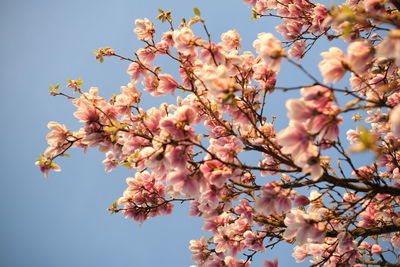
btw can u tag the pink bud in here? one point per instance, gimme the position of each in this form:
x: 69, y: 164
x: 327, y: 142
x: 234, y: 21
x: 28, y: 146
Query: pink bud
x: 376, y: 249
x: 301, y: 201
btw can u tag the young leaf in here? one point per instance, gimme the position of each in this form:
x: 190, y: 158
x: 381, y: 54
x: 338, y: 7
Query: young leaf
x: 196, y: 11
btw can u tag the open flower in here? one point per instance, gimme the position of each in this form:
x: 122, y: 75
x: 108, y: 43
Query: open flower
x: 304, y: 227
x: 332, y: 66
x: 269, y: 49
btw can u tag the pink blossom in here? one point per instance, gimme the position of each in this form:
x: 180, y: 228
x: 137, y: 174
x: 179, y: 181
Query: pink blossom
x: 136, y: 70
x: 58, y: 134
x: 272, y: 200
x: 295, y: 139
x: 219, y: 82
x: 317, y: 96
x: 129, y: 95
x: 232, y: 262
x: 244, y: 209
x: 110, y: 162
x: 250, y: 2
x: 226, y: 241
x: 269, y: 49
x: 171, y: 128
x: 261, y: 6
x: 364, y: 172
x: 297, y: 49
x: 46, y: 165
x: 216, y: 172
x: 396, y: 241
x: 177, y: 155
x: 365, y: 245
x: 231, y: 40
x: 273, y: 263
x: 184, y: 41
x: 301, y: 201
x: 184, y: 182
x: 376, y: 249
x: 359, y: 56
x: 150, y: 83
x: 212, y: 224
x: 144, y: 29
x: 226, y: 147
x: 310, y: 163
x: 187, y: 115
x: 325, y: 126
x: 300, y: 253
x: 263, y: 72
x: 319, y: 13
x: 298, y: 110
x: 86, y: 111
x: 167, y: 84
x: 352, y: 136
x: 146, y: 55
x: 394, y: 99
x: 290, y: 29
x: 332, y: 66
x: 395, y: 121
x: 254, y: 241
x: 213, y: 54
x: 304, y: 227
x: 376, y: 7
x: 155, y: 160
x: 368, y: 217
x: 390, y: 46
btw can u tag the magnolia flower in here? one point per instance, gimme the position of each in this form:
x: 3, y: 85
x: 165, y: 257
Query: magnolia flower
x: 359, y: 55
x: 376, y: 249
x: 231, y: 40
x: 304, y: 227
x: 135, y: 70
x: 46, y: 165
x: 295, y: 139
x: 146, y: 55
x: 273, y: 263
x: 332, y: 66
x: 298, y: 110
x: 390, y: 46
x: 272, y: 200
x: 395, y: 121
x: 57, y: 135
x: 184, y: 40
x: 144, y: 29
x: 297, y: 49
x: 269, y: 49
x: 300, y: 253
x: 167, y: 84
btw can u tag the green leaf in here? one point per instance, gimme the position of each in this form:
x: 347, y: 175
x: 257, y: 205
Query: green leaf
x: 110, y: 129
x: 366, y: 138
x: 348, y: 29
x: 367, y: 141
x: 160, y: 10
x: 196, y: 11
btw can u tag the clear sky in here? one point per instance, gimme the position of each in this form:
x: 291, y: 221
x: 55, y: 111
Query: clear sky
x: 63, y: 221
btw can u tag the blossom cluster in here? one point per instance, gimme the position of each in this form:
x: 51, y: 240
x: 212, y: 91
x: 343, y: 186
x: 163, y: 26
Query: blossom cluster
x: 305, y: 188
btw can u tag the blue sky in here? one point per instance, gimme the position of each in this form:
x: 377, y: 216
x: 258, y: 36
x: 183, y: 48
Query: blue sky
x: 63, y: 221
